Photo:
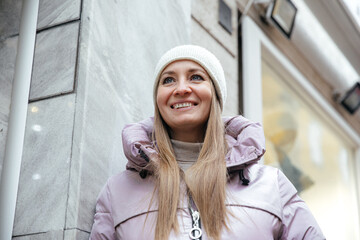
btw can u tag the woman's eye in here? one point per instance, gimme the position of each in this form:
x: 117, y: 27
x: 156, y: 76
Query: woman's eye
x: 168, y: 80
x: 197, y: 78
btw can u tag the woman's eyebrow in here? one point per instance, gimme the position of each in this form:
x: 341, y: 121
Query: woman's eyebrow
x: 195, y: 70
x: 168, y: 72
x: 191, y: 70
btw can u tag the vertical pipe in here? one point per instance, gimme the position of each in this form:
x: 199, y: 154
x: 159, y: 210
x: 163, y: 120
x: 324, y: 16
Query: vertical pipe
x: 357, y: 187
x: 251, y: 60
x: 17, y: 117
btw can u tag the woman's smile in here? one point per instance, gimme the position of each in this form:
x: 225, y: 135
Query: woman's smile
x: 182, y: 105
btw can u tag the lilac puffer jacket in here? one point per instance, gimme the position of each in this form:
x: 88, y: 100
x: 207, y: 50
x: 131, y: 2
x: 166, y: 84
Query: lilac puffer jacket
x: 264, y: 204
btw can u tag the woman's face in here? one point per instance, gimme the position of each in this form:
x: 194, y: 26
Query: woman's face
x: 184, y: 96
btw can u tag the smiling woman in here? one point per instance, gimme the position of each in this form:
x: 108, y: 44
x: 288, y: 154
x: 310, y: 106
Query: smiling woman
x: 192, y: 174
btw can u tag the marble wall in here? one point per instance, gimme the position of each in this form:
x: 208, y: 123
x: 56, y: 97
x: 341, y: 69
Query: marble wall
x: 51, y: 13
x: 55, y: 77
x: 8, y: 49
x: 45, y: 168
x: 43, y: 185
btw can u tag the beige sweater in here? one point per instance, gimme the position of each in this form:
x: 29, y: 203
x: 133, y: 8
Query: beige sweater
x: 186, y: 153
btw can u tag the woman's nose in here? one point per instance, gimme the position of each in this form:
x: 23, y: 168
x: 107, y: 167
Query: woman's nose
x: 182, y: 88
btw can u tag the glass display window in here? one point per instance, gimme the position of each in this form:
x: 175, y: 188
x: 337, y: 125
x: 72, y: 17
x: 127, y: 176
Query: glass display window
x: 315, y: 158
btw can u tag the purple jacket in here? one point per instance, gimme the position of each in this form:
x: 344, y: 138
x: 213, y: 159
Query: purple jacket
x: 268, y: 207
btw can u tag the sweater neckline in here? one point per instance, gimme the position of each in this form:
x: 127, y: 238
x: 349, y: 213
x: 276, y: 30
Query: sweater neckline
x: 186, y: 153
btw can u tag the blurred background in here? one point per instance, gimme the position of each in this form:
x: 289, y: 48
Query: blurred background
x: 292, y: 65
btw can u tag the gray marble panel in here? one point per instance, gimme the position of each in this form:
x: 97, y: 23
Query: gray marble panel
x: 54, y: 61
x: 3, y: 134
x: 118, y: 53
x: 45, y: 168
x: 76, y: 234
x: 10, y: 12
x: 53, y: 235
x: 8, y: 49
x: 51, y: 12
x: 54, y: 12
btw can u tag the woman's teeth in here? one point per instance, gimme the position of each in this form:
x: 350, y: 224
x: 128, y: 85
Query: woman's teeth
x: 182, y: 105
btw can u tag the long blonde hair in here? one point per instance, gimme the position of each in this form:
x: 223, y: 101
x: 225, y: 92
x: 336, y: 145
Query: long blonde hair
x: 205, y: 180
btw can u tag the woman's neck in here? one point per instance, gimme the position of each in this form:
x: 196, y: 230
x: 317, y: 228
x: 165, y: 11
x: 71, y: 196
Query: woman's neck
x: 194, y: 134
x: 188, y: 135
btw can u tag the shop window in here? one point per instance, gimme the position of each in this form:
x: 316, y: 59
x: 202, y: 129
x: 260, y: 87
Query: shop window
x: 311, y: 153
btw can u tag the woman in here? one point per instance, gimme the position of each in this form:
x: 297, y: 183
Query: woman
x: 197, y: 177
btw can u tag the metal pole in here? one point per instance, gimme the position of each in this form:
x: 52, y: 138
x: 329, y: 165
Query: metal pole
x: 17, y: 117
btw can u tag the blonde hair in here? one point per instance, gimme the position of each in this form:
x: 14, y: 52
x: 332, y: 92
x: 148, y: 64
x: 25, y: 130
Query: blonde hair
x: 206, y: 179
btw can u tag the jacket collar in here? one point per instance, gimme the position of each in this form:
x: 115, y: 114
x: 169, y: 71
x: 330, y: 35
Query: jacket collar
x: 245, y: 139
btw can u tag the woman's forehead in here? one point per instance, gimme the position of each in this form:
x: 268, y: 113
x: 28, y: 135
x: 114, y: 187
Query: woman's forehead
x: 183, y: 64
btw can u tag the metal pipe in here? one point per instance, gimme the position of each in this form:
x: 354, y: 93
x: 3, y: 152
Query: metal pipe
x: 321, y: 51
x: 17, y: 117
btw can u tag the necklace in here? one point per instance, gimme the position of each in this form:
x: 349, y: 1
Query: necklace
x: 195, y: 232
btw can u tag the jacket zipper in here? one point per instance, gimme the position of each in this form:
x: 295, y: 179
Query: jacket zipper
x: 195, y: 232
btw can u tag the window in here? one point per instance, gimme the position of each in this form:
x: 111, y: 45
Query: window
x: 315, y: 158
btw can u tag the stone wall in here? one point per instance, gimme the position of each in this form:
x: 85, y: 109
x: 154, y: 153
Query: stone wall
x: 43, y: 185
x: 51, y: 14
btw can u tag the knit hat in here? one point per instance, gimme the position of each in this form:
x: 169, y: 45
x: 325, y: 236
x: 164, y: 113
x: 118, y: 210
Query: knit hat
x: 201, y: 56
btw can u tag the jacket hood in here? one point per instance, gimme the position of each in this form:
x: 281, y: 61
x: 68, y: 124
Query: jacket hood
x: 245, y: 139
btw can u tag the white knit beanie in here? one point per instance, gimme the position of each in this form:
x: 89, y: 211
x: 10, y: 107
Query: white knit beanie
x: 201, y: 56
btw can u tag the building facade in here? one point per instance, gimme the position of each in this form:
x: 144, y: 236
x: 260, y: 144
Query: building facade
x: 92, y: 74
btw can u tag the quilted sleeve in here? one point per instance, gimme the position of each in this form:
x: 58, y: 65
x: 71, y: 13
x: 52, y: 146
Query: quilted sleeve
x: 297, y: 220
x: 137, y: 144
x: 103, y: 226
